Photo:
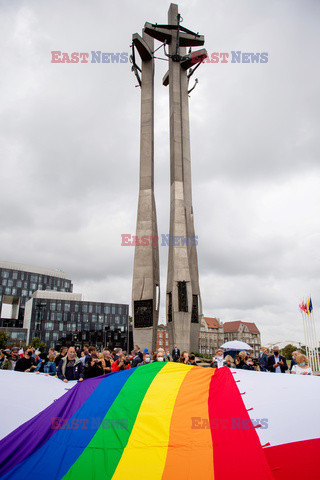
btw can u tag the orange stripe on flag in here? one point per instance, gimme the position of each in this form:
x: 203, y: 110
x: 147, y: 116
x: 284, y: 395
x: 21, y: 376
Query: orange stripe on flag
x: 190, y: 453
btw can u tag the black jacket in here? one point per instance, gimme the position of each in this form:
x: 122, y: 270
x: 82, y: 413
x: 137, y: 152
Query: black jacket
x: 23, y: 364
x: 175, y: 354
x: 94, y: 370
x: 271, y: 362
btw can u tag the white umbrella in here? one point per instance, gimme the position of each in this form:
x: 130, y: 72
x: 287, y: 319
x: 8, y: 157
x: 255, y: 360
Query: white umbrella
x: 236, y: 345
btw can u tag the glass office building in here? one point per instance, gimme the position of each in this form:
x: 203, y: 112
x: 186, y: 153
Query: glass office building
x: 59, y: 318
x: 41, y: 303
x: 18, y: 282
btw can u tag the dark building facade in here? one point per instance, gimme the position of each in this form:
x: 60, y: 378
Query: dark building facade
x: 42, y: 305
x: 59, y: 318
x: 18, y: 282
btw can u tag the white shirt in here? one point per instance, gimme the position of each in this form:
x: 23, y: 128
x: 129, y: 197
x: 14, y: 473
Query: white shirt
x: 219, y: 361
x: 277, y: 369
x: 299, y: 370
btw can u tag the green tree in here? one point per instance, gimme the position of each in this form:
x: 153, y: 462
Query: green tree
x: 4, y: 338
x: 287, y: 351
x: 38, y: 345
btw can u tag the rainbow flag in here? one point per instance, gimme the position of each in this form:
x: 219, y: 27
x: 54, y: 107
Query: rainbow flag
x: 156, y: 422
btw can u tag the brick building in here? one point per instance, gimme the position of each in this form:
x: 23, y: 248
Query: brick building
x: 163, y: 337
x: 244, y: 332
x: 211, y: 335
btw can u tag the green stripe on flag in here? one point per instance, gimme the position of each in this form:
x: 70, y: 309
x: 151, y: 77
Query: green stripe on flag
x: 102, y: 455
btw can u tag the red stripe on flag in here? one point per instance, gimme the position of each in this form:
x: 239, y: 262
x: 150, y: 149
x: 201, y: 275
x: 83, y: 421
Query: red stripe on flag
x: 295, y: 460
x: 232, y: 431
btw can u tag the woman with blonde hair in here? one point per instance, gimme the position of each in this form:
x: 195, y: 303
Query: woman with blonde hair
x: 241, y: 360
x: 302, y: 366
x: 229, y: 360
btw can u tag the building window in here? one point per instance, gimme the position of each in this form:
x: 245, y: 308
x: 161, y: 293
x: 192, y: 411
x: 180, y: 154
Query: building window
x: 52, y: 305
x: 60, y: 327
x: 66, y: 284
x: 10, y: 283
x: 33, y: 286
x: 53, y: 316
x: 124, y: 319
x: 86, y: 327
x: 4, y: 282
x: 67, y: 307
x: 65, y: 317
x: 47, y: 336
x: 69, y: 327
x: 48, y: 326
x: 19, y: 284
x: 90, y: 308
x: 55, y: 336
x: 98, y: 308
x: 59, y: 317
x: 106, y: 309
x: 85, y: 308
x: 101, y: 318
x: 15, y: 275
x: 8, y: 291
x: 113, y: 310
x: 76, y: 307
x: 14, y: 291
x: 59, y: 306
x: 24, y: 293
x: 98, y: 327
x: 117, y: 319
x: 33, y: 278
x: 120, y: 310
x: 5, y: 274
x: 85, y: 317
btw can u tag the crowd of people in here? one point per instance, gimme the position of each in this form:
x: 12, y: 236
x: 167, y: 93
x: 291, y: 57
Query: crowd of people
x: 274, y: 363
x: 78, y: 364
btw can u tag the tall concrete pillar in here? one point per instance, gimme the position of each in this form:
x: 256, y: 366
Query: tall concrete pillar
x: 146, y: 283
x: 183, y: 302
x: 183, y: 293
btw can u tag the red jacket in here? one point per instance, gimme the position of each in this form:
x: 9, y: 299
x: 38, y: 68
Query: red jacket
x: 115, y: 366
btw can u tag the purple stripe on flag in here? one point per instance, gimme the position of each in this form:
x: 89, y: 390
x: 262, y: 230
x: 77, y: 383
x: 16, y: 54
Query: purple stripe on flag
x: 30, y: 436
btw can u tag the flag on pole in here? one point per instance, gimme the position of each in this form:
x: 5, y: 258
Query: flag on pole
x: 303, y: 306
x: 310, y: 307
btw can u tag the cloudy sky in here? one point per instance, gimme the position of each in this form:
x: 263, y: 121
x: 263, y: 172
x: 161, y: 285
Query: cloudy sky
x: 69, y: 143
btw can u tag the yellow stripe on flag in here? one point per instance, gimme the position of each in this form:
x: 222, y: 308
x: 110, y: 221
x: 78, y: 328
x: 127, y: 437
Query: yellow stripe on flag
x: 145, y: 454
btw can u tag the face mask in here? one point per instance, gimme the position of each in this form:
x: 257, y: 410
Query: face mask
x: 261, y: 352
x: 219, y: 357
x: 160, y: 359
x: 302, y: 364
x: 147, y: 360
x: 292, y: 357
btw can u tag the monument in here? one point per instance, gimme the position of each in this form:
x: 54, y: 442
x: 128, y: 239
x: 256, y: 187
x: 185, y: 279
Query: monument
x: 146, y: 283
x: 183, y: 300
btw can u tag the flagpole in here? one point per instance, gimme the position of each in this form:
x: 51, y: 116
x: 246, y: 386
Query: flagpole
x: 305, y: 335
x: 315, y: 342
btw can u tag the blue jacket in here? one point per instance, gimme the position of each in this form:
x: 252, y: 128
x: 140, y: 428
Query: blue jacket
x: 50, y: 367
